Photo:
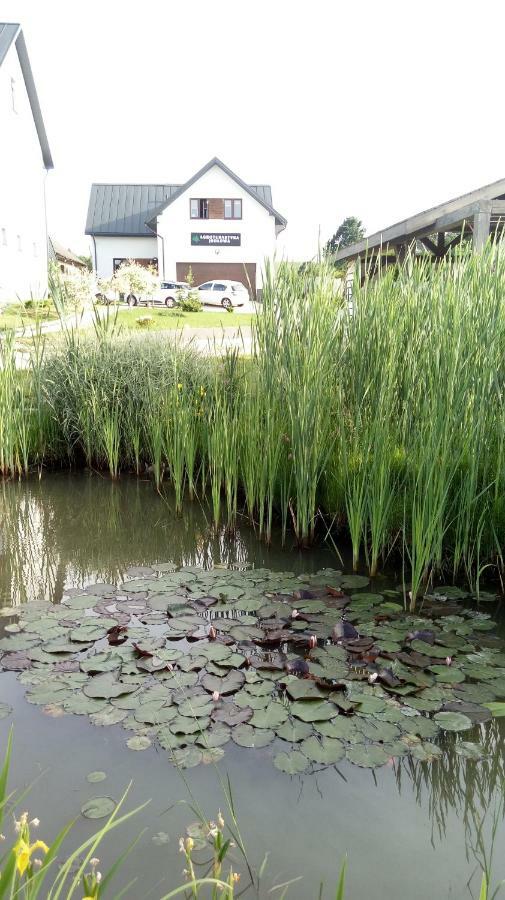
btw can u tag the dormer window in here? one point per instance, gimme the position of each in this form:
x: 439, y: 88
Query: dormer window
x: 199, y: 209
x: 233, y: 209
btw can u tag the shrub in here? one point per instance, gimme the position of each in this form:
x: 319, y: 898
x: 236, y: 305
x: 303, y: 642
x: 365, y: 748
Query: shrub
x: 191, y: 303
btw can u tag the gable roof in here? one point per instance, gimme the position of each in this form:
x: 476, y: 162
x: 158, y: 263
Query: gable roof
x: 58, y: 251
x: 11, y: 32
x: 261, y: 193
x: 127, y: 210
x: 443, y: 217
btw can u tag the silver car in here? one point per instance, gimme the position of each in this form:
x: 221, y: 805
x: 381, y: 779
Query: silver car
x: 168, y: 294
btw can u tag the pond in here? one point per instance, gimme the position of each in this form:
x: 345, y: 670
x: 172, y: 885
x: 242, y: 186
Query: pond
x: 408, y: 826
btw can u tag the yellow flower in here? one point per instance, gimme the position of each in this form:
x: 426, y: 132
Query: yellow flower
x: 179, y: 386
x: 23, y: 852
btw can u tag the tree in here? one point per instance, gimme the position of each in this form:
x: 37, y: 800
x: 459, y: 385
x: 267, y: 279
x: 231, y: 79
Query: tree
x: 131, y: 278
x: 87, y: 262
x: 350, y: 231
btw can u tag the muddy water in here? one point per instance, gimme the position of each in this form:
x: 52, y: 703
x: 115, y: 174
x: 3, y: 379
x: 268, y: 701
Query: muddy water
x: 408, y: 829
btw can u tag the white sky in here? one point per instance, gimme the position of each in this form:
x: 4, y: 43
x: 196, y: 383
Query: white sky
x: 377, y: 110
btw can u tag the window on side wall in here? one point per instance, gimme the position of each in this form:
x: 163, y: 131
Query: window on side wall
x: 199, y: 209
x: 233, y: 209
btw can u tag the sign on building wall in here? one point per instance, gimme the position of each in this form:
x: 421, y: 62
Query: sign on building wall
x: 203, y: 239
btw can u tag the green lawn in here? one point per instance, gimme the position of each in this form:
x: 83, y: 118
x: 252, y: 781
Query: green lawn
x: 16, y: 315
x: 175, y: 318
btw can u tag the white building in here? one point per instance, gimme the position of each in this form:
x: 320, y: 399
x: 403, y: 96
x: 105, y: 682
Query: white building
x: 215, y: 224
x: 25, y: 159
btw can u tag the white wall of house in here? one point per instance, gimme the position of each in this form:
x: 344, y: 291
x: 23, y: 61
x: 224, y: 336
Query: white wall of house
x: 256, y: 228
x: 110, y: 248
x: 23, y: 240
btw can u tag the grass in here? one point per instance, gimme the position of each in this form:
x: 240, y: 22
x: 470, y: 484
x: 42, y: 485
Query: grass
x: 17, y: 315
x: 163, y: 319
x: 387, y: 419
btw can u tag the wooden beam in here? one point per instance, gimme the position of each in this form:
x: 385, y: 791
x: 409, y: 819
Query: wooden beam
x: 429, y: 245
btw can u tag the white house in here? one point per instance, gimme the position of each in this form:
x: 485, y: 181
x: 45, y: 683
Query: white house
x: 25, y: 159
x: 215, y: 224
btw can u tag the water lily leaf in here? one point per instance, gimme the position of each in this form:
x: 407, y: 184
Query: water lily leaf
x: 422, y: 726
x: 199, y: 706
x: 370, y: 705
x: 244, y: 698
x: 211, y: 755
x: 111, y: 715
x: 271, y: 717
x: 100, y: 662
x: 227, y: 685
x: 452, y: 721
x: 80, y: 705
x: 154, y: 713
x: 98, y: 807
x: 106, y: 686
x: 448, y: 674
x: 326, y: 751
x: 313, y: 710
x: 216, y: 736
x: 478, y: 714
x: 231, y: 714
x: 367, y: 756
x: 294, y: 731
x: 248, y: 736
x: 305, y: 689
x: 291, y: 763
x: 19, y: 642
x: 186, y: 757
x: 189, y: 725
x: 81, y: 601
x: 95, y: 777
x: 426, y: 752
x: 354, y: 582
x: 139, y: 742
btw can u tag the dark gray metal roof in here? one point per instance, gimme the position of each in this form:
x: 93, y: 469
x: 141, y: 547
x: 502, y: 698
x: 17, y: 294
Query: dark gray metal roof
x: 11, y: 32
x: 125, y: 209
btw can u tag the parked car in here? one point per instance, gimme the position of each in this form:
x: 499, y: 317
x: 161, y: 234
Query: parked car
x: 168, y: 294
x: 223, y: 293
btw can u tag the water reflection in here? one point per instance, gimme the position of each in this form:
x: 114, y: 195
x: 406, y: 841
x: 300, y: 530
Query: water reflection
x: 453, y: 784
x: 69, y: 530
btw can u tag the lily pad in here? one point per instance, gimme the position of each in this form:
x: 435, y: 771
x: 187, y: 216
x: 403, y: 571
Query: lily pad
x: 98, y: 808
x: 227, y: 685
x: 327, y: 751
x: 106, y: 686
x: 139, y: 742
x: 248, y: 736
x: 453, y: 721
x: 95, y: 777
x: 291, y: 763
x: 313, y: 710
x: 367, y: 756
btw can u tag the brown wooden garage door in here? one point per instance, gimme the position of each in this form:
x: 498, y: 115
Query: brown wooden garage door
x: 243, y: 272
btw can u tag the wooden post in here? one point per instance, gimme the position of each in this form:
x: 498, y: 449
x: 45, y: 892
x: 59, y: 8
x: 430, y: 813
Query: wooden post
x: 481, y: 228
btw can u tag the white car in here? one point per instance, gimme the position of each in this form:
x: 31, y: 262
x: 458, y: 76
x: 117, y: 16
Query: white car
x: 168, y: 294
x: 223, y: 293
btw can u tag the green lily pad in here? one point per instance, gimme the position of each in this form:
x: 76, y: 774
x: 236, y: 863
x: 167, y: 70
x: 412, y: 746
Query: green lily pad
x: 95, y: 777
x: 291, y: 763
x: 139, y: 742
x: 186, y: 757
x: 216, y: 736
x: 497, y: 710
x: 305, y: 689
x: 109, y: 716
x: 98, y: 808
x: 231, y: 714
x: 226, y: 685
x: 453, y: 721
x: 197, y: 706
x: 313, y: 710
x: 248, y: 736
x: 294, y: 731
x: 367, y: 756
x: 5, y: 710
x: 327, y: 751
x: 271, y: 717
x: 106, y: 686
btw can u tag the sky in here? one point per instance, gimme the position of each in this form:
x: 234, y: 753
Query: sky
x: 376, y: 110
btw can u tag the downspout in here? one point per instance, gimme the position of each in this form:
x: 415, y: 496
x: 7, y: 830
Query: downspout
x: 162, y: 239
x: 94, y: 253
x: 46, y: 173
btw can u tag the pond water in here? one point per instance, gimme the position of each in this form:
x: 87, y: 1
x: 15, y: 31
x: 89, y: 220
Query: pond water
x: 408, y: 827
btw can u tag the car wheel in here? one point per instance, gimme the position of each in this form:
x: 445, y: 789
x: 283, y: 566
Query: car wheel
x: 170, y: 302
x: 226, y: 303
x: 131, y: 300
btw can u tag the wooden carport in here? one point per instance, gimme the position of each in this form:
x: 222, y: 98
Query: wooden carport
x: 474, y: 216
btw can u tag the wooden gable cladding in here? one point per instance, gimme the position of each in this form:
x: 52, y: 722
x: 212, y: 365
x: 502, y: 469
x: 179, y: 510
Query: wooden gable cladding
x: 216, y: 208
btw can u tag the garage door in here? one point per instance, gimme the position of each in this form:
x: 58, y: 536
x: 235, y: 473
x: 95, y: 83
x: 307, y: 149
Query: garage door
x: 243, y: 272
